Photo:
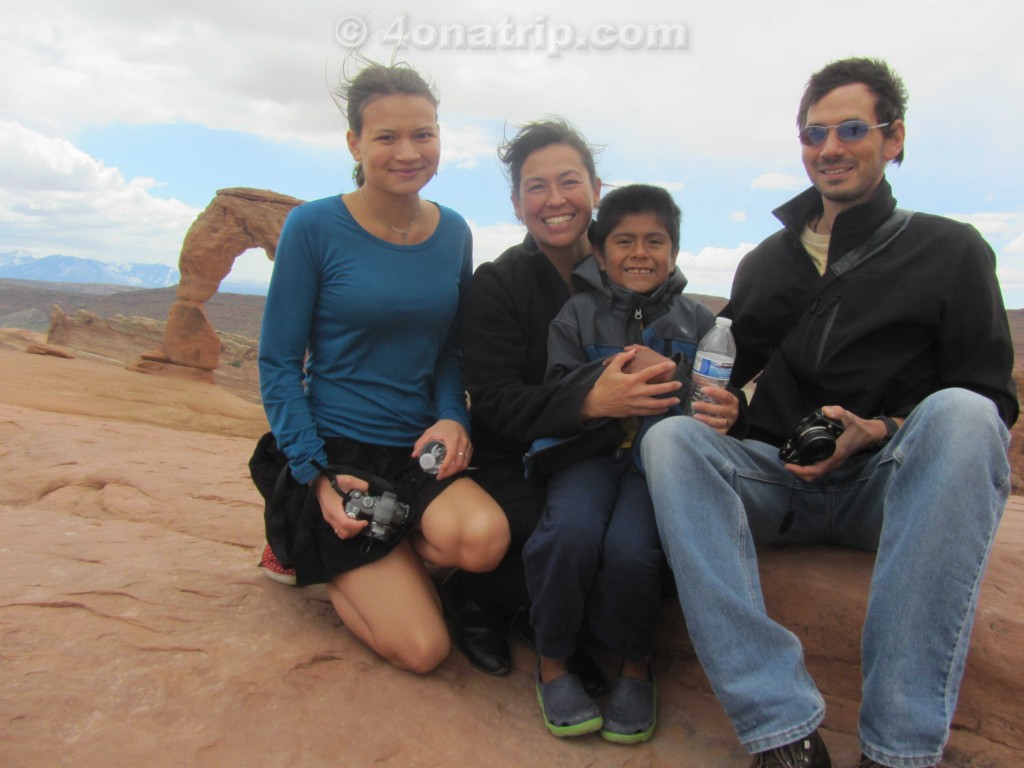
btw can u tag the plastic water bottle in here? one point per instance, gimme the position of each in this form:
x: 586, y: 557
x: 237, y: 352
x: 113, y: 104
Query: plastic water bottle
x: 432, y: 457
x: 712, y: 365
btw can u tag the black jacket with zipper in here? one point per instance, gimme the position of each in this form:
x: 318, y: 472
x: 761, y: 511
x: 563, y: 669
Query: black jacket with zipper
x: 922, y: 314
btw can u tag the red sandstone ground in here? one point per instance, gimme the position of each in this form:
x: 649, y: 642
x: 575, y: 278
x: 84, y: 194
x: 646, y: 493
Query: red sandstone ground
x: 135, y: 629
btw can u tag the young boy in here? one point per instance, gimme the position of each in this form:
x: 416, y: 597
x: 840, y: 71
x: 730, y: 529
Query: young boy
x: 596, y: 552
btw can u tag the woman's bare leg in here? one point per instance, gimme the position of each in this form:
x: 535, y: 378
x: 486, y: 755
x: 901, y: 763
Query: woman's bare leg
x: 463, y: 527
x: 391, y: 605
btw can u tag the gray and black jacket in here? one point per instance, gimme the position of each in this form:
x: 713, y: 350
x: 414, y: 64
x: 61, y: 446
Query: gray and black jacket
x: 602, y: 319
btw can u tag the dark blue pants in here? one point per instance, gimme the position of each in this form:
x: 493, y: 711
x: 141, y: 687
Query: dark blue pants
x: 595, y: 554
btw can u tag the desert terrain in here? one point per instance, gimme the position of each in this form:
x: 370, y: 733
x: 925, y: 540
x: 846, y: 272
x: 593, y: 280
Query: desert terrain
x: 136, y: 630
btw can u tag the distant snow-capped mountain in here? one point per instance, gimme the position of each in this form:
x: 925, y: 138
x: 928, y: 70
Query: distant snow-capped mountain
x: 21, y: 265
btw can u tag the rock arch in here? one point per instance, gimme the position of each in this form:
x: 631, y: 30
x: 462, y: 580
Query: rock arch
x: 236, y: 220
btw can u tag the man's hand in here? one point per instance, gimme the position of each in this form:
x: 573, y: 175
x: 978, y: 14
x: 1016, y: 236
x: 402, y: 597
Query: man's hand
x: 722, y: 413
x: 858, y: 435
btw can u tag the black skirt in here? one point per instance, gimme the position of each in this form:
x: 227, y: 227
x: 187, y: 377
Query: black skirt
x: 295, y: 525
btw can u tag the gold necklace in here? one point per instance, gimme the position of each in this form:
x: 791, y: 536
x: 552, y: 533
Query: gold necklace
x: 403, y: 232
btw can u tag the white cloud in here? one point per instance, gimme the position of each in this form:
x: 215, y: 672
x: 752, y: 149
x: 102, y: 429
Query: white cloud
x: 54, y: 198
x: 785, y: 182
x: 1010, y: 272
x: 491, y: 240
x: 465, y: 145
x: 261, y: 67
x: 710, y: 271
x: 738, y: 217
x: 1000, y: 227
x: 252, y: 266
x: 672, y: 186
x: 709, y: 113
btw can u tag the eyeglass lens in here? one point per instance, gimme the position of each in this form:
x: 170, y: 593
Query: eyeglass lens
x: 850, y: 131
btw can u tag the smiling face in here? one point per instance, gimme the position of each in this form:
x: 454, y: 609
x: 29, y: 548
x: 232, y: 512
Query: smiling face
x: 556, y: 199
x: 846, y: 174
x: 399, y: 145
x: 638, y: 253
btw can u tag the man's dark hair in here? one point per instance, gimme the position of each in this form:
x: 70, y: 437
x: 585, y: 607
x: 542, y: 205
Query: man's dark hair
x: 537, y: 135
x: 636, y: 198
x: 890, y: 93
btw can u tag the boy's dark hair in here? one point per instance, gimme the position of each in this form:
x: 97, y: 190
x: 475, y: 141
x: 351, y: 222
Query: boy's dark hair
x: 636, y: 198
x: 890, y: 93
x: 537, y: 135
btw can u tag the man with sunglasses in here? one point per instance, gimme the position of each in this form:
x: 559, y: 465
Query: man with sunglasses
x: 892, y: 324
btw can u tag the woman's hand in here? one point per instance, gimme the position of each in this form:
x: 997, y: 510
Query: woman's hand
x: 722, y: 413
x: 618, y: 395
x: 458, y: 448
x: 332, y: 504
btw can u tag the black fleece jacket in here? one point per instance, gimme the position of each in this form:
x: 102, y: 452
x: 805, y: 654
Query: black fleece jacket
x: 923, y: 314
x: 511, y: 303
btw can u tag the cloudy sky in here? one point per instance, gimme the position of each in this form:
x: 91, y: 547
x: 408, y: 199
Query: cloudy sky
x: 119, y: 119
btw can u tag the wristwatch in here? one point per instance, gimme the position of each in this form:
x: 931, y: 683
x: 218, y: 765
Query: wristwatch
x: 890, y: 429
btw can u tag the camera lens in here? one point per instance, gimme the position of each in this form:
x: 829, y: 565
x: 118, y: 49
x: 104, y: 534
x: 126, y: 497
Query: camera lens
x: 816, y: 444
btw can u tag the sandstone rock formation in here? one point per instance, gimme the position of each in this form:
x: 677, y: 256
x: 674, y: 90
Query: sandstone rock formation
x: 115, y: 339
x: 49, y: 349
x: 236, y: 220
x: 136, y: 630
x: 121, y: 339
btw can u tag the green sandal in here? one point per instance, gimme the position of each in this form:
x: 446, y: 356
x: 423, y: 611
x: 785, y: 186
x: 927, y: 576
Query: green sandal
x: 631, y: 713
x: 567, y: 709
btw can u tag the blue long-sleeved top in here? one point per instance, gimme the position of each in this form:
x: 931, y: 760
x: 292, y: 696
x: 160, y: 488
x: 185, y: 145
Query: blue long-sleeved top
x: 380, y: 323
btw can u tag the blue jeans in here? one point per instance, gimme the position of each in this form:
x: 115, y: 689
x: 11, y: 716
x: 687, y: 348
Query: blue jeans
x: 929, y: 503
x: 596, y: 554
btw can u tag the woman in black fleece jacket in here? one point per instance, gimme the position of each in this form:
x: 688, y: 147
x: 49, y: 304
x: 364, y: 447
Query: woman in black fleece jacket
x: 511, y: 303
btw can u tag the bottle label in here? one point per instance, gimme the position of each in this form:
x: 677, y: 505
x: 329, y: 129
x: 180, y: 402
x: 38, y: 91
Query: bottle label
x: 712, y: 369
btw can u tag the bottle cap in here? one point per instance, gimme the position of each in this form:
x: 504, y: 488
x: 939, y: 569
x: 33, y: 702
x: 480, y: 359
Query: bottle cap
x: 428, y: 461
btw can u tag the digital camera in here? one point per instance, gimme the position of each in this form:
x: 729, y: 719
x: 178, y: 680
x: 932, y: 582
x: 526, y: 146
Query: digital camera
x: 813, y: 440
x: 386, y: 513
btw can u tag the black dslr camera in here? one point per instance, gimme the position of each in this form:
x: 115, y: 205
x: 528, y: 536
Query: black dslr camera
x: 813, y: 440
x: 386, y: 513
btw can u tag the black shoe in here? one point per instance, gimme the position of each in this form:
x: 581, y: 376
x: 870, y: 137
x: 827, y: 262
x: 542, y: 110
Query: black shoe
x: 476, y: 630
x: 867, y: 762
x: 808, y: 752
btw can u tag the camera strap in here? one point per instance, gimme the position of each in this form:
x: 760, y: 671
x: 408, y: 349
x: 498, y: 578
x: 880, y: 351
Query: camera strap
x: 887, y: 231
x: 378, y: 485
